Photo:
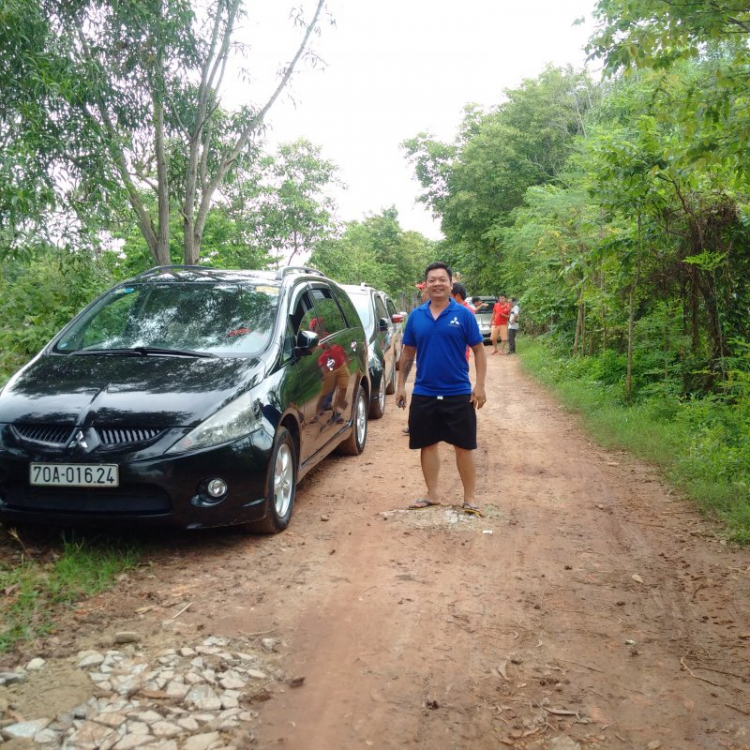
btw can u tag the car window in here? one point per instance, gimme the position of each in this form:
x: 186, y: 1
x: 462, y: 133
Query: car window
x: 363, y: 304
x: 222, y: 319
x: 380, y: 310
x: 347, y: 303
x: 390, y: 307
x: 329, y: 319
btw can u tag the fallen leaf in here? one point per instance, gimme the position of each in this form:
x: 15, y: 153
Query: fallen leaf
x: 637, y: 578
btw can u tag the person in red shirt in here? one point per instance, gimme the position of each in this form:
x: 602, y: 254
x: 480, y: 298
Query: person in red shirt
x: 500, y: 315
x: 333, y: 362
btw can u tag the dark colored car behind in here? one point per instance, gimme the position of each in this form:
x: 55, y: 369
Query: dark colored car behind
x: 189, y: 396
x: 382, y: 326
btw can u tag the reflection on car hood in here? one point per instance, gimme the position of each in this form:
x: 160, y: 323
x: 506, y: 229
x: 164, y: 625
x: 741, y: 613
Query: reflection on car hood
x: 159, y: 391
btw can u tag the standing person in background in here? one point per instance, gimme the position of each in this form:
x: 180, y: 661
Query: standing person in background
x: 443, y: 406
x: 500, y: 315
x: 515, y: 311
x: 458, y: 293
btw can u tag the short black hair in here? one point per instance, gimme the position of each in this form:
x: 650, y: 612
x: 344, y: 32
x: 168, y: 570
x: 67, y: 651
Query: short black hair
x: 438, y: 264
x: 476, y: 299
x: 459, y: 289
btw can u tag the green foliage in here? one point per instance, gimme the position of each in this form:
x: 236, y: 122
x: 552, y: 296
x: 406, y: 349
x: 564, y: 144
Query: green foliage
x: 38, y: 297
x: 378, y: 252
x: 34, y: 590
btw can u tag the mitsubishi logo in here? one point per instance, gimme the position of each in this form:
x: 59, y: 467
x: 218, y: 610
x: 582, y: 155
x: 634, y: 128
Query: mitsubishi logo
x: 78, y: 440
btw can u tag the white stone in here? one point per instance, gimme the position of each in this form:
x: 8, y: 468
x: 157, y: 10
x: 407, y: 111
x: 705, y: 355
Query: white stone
x: 134, y: 741
x: 269, y: 644
x: 35, y: 665
x: 187, y: 651
x: 177, y: 690
x: 203, y: 698
x: 137, y: 727
x: 112, y: 719
x: 148, y: 716
x: 193, y: 679
x: 164, y: 745
x: 165, y: 729
x: 216, y: 640
x: 189, y: 724
x: 27, y: 729
x: 47, y: 737
x: 202, y: 741
x: 228, y: 701
x: 257, y: 674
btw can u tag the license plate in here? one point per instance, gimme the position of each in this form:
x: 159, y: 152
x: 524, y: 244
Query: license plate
x: 74, y: 475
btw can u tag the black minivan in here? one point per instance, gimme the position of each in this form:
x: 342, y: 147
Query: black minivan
x: 187, y: 395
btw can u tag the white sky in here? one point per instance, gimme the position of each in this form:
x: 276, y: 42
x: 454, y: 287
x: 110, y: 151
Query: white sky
x: 394, y: 68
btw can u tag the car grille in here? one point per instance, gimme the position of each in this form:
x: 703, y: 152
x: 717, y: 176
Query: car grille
x: 128, y: 435
x: 125, y: 501
x: 46, y: 434
x: 58, y: 436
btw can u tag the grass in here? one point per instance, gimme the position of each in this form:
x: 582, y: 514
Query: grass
x: 34, y: 590
x: 702, y: 447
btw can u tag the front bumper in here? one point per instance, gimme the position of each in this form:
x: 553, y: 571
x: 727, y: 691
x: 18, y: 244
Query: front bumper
x: 163, y: 490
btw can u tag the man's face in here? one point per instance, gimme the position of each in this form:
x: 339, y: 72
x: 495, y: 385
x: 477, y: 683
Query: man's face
x: 502, y: 300
x: 438, y: 284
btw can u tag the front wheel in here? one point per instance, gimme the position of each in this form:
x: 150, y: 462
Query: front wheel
x: 355, y: 443
x: 281, y: 486
x: 377, y: 408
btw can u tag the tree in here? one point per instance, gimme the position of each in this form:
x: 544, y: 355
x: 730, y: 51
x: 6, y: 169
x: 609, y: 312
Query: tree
x: 295, y: 212
x: 378, y: 252
x: 124, y: 89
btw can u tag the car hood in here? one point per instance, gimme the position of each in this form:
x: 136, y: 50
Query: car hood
x: 124, y: 390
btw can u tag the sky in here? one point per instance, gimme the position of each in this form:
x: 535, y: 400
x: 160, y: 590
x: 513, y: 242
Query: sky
x: 394, y: 68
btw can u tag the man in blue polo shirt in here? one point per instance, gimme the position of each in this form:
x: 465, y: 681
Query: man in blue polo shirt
x: 443, y: 403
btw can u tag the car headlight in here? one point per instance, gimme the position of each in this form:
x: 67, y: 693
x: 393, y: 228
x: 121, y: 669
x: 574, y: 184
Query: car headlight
x: 235, y: 420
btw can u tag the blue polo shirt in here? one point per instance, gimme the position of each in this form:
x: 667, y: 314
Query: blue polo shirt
x: 442, y: 368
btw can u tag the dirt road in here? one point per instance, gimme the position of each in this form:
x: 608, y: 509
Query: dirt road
x: 590, y: 607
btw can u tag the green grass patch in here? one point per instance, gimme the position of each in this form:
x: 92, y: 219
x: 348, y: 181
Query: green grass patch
x: 33, y: 591
x: 701, y: 445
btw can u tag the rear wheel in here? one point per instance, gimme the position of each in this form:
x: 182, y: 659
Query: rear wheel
x: 281, y: 486
x: 355, y: 443
x: 377, y: 408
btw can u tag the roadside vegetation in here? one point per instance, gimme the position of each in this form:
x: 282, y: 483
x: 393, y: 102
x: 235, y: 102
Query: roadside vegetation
x: 701, y: 445
x: 36, y: 584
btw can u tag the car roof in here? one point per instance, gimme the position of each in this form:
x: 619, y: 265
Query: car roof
x: 208, y: 274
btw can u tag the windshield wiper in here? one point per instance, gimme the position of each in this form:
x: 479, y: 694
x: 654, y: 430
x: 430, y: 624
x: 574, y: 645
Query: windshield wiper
x: 144, y: 351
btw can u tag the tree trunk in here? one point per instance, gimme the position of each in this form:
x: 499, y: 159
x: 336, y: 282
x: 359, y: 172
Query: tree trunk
x: 162, y: 242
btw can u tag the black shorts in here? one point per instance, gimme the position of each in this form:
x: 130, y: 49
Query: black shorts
x: 451, y: 419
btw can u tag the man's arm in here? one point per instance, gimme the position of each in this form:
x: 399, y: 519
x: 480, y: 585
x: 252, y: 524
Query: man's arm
x: 405, y: 363
x: 479, y: 395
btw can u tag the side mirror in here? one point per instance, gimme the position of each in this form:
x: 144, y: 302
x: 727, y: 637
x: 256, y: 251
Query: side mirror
x: 306, y: 342
x: 383, y: 324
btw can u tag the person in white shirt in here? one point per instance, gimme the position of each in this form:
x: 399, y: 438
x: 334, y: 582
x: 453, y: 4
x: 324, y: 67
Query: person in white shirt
x: 515, y: 311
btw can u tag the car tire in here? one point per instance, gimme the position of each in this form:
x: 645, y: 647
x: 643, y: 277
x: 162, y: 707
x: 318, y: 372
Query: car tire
x: 355, y: 443
x: 377, y: 408
x: 390, y: 388
x: 281, y: 486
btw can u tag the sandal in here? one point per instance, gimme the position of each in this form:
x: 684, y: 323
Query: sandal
x: 472, y: 510
x: 422, y: 504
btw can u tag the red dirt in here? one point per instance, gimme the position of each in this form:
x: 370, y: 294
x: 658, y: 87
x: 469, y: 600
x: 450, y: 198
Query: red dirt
x: 591, y: 605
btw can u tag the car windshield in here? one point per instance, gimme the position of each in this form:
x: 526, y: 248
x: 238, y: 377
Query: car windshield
x: 177, y: 318
x: 364, y: 308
